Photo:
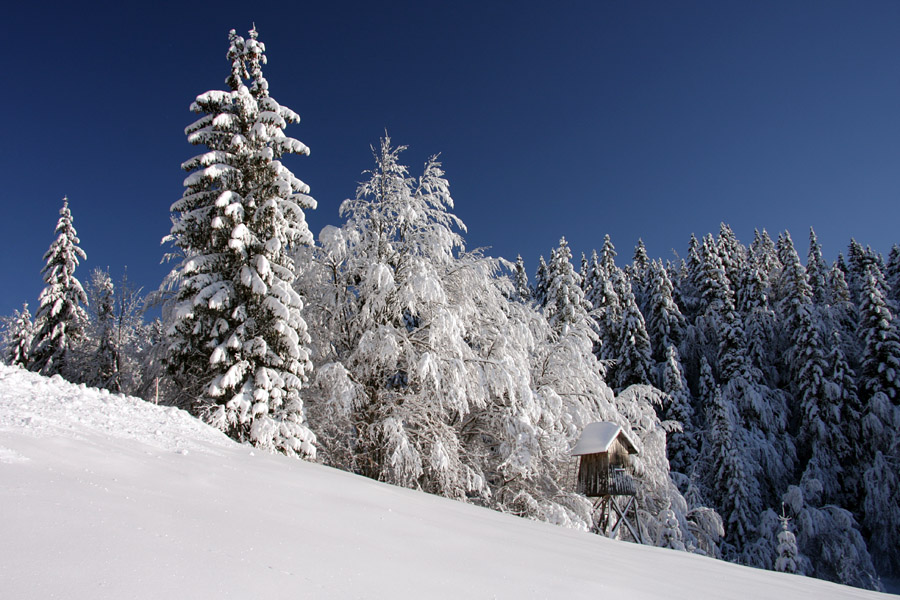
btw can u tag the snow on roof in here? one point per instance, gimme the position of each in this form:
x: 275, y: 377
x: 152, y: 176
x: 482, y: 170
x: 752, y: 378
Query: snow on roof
x: 598, y: 437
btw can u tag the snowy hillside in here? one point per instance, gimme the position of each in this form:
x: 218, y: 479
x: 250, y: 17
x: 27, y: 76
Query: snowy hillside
x: 103, y: 496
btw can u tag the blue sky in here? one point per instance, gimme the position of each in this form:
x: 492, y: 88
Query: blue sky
x: 639, y: 119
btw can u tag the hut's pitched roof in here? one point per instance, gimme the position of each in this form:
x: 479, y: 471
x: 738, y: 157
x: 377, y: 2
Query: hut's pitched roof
x: 598, y: 437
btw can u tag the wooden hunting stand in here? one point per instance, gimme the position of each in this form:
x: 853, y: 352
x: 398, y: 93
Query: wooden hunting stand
x: 604, y: 473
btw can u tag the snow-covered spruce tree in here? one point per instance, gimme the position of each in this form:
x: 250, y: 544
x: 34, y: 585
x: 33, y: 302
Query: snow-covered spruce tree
x: 665, y: 323
x: 638, y: 272
x: 237, y: 343
x: 880, y: 385
x: 522, y: 291
x: 607, y: 255
x: 540, y: 283
x: 816, y: 270
x: 734, y: 256
x: 859, y: 260
x: 18, y: 334
x: 842, y: 315
x: 607, y: 313
x: 633, y: 361
x: 681, y: 443
x: 59, y: 322
x: 714, y: 301
x: 787, y: 549
x: 881, y: 513
x: 764, y: 255
x: 688, y: 290
x: 759, y: 323
x: 848, y: 442
x: 829, y: 457
x: 593, y: 278
x: 829, y: 543
x: 671, y: 536
x: 806, y: 356
x: 762, y: 424
x: 565, y: 305
x: 892, y: 274
x: 584, y: 273
x: 880, y: 368
x: 731, y: 481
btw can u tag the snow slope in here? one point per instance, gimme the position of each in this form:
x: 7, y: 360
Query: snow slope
x: 104, y: 496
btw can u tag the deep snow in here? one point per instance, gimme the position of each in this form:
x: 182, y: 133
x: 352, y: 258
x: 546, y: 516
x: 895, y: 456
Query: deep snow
x: 104, y: 496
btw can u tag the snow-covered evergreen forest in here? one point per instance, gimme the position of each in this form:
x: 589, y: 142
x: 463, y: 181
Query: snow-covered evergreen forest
x: 763, y: 390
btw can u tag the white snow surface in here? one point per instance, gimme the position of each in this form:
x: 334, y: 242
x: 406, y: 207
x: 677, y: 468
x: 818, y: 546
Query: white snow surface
x: 105, y: 496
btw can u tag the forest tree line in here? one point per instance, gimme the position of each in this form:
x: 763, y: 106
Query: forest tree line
x: 764, y: 394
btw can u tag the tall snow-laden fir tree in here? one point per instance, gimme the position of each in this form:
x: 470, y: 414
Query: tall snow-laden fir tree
x: 540, y: 282
x: 880, y: 385
x: 584, y: 273
x: 633, y: 360
x: 816, y: 270
x: 734, y: 257
x: 237, y: 342
x: 638, y: 272
x: 640, y: 261
x: 592, y: 281
x: 731, y: 477
x: 826, y: 451
x: 759, y: 322
x: 681, y: 446
x: 665, y: 323
x: 565, y: 305
x: 18, y: 336
x: 607, y: 255
x: 892, y: 274
x: 522, y: 291
x: 764, y: 255
x: 848, y: 443
x: 714, y: 293
x: 806, y: 354
x: 880, y: 368
x: 59, y: 322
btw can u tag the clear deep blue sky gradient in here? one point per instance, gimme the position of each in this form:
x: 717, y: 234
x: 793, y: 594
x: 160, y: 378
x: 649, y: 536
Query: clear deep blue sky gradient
x: 639, y: 119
